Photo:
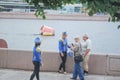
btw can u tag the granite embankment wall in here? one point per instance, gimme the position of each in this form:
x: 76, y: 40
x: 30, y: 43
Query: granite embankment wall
x: 21, y: 59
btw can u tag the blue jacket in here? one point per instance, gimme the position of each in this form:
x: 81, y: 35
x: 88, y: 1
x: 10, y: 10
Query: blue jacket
x: 63, y: 45
x: 36, y: 55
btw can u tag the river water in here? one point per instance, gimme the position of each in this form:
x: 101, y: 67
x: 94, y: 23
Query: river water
x: 20, y: 34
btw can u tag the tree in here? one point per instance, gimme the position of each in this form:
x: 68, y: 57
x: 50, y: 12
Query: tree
x: 111, y: 7
x: 53, y: 4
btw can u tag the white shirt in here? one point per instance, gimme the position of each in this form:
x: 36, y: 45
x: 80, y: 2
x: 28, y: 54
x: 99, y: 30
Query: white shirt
x: 86, y: 45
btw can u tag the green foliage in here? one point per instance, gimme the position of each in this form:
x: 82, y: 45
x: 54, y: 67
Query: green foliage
x: 119, y: 27
x: 112, y: 7
x: 53, y: 4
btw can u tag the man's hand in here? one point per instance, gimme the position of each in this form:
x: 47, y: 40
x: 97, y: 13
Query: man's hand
x: 83, y: 55
x: 62, y: 54
x: 87, y: 52
x: 41, y: 64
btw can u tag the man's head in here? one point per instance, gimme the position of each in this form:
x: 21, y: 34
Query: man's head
x: 37, y: 41
x: 64, y: 35
x: 77, y: 39
x: 85, y: 37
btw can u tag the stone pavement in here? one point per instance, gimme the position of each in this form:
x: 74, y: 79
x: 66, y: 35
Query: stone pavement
x: 6, y: 74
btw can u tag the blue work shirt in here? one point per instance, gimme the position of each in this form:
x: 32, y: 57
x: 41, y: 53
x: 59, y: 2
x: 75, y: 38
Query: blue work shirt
x: 36, y: 55
x: 63, y: 45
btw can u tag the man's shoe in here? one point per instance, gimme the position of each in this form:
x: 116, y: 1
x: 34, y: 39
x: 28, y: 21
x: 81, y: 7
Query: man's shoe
x: 85, y: 73
x: 65, y: 72
x: 59, y: 71
x: 73, y: 78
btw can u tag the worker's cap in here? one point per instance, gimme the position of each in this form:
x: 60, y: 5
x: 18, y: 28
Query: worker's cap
x: 77, y: 37
x: 64, y: 33
x: 37, y: 40
x: 86, y: 35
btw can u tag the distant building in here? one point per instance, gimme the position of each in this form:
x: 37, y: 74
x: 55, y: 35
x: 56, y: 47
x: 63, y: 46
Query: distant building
x: 72, y: 8
x: 67, y: 9
x: 20, y: 6
x: 16, y: 6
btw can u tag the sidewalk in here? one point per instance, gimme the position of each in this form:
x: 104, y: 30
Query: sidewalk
x: 6, y: 74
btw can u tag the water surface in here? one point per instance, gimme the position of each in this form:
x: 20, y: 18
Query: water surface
x: 20, y: 34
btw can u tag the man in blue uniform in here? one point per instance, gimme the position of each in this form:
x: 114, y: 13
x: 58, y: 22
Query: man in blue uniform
x: 36, y: 59
x: 63, y: 47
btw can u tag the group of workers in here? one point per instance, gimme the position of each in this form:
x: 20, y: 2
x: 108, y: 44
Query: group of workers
x: 77, y: 48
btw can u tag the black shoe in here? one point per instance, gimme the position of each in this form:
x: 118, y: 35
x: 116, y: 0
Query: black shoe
x: 73, y: 78
x: 85, y: 73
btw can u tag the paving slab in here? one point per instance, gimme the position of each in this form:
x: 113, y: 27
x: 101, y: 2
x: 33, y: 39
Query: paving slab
x: 8, y: 74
